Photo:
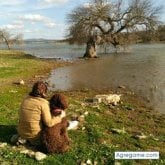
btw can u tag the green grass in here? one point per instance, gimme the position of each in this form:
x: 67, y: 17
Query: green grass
x: 93, y: 140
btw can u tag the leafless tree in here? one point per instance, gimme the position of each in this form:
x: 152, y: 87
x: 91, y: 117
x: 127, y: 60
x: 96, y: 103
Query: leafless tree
x: 9, y: 39
x: 113, y: 21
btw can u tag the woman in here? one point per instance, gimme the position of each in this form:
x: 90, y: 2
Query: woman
x: 35, y: 113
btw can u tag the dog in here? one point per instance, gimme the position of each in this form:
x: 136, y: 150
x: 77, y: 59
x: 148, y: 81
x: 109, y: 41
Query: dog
x: 55, y: 139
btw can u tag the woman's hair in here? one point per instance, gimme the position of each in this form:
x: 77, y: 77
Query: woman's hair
x: 39, y: 89
x: 58, y: 101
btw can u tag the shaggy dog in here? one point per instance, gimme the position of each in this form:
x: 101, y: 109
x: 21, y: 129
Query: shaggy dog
x: 55, y: 139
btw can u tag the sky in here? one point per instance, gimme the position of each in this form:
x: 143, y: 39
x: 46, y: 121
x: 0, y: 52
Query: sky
x: 40, y: 18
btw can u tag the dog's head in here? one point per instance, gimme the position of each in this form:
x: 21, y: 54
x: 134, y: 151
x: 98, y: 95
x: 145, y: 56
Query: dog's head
x: 58, y: 102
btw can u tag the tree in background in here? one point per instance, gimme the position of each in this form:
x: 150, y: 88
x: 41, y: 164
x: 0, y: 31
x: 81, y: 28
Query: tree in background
x: 9, y: 39
x: 161, y: 33
x: 115, y: 22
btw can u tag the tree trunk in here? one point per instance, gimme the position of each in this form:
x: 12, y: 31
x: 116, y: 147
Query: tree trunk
x: 6, y: 41
x: 90, y: 49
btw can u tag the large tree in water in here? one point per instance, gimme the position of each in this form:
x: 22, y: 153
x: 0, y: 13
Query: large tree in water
x: 113, y: 21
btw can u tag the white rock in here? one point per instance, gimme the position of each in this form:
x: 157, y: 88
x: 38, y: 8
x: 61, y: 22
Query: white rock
x: 89, y: 161
x: 83, y: 128
x: 73, y: 124
x: 2, y: 145
x: 26, y: 151
x: 22, y: 82
x: 107, y: 99
x: 119, y: 131
x: 21, y: 141
x: 40, y: 156
x: 86, y: 113
x: 141, y: 136
x: 31, y: 154
x: 95, y: 163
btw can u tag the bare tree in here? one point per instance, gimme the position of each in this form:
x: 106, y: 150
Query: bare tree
x: 113, y: 21
x: 9, y: 39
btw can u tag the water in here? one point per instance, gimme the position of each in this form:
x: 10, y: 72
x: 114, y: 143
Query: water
x: 53, y: 50
x: 141, y: 70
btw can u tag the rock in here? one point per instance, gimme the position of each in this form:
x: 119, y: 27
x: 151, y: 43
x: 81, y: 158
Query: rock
x: 88, y: 161
x: 40, y: 156
x: 81, y: 118
x: 26, y: 151
x: 153, y: 137
x: 119, y: 131
x: 83, y: 104
x: 21, y: 141
x: 14, y: 139
x: 73, y: 125
x: 31, y: 154
x: 121, y: 86
x: 96, y: 106
x: 140, y: 136
x: 86, y: 113
x: 95, y: 163
x: 2, y: 145
x: 22, y: 82
x: 107, y: 99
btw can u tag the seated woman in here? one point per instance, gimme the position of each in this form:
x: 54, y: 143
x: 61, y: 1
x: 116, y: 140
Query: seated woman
x: 35, y: 113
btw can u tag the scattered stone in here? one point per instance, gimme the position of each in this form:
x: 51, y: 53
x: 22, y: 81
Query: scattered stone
x: 95, y: 163
x: 153, y: 137
x: 83, y: 104
x: 86, y: 113
x: 119, y: 131
x: 121, y: 86
x: 88, y: 161
x: 140, y: 136
x: 107, y: 99
x: 14, y: 139
x: 22, y: 82
x: 40, y: 156
x: 96, y: 106
x: 81, y: 118
x: 73, y: 125
x: 26, y: 151
x: 31, y: 154
x: 21, y: 141
x: 2, y: 145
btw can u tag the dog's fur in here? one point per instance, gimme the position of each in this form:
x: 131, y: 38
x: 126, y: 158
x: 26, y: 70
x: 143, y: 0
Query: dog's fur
x: 55, y: 139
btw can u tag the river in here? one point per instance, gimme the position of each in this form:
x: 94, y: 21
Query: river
x: 142, y: 70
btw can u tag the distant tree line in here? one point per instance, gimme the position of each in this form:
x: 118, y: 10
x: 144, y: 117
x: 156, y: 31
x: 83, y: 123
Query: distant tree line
x: 151, y: 36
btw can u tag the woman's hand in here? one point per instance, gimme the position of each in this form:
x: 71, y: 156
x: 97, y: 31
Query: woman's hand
x: 63, y: 114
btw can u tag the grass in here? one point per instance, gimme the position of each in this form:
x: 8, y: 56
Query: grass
x: 94, y: 139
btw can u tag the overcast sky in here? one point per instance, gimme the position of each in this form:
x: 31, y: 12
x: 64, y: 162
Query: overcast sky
x: 40, y: 18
